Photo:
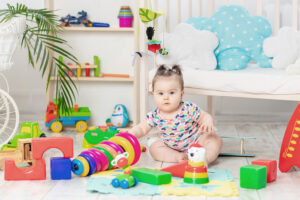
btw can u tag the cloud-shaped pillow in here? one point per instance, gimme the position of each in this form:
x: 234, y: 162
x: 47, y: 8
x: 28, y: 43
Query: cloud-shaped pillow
x: 190, y: 48
x: 240, y: 35
x: 284, y: 48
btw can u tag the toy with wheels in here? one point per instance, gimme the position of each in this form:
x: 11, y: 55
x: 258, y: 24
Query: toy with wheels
x: 100, y: 157
x: 27, y: 130
x: 78, y: 117
x: 9, y: 121
x: 125, y: 181
x: 96, y: 135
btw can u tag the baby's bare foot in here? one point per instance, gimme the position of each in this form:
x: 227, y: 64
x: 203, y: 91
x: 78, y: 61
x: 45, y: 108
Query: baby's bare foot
x: 182, y: 157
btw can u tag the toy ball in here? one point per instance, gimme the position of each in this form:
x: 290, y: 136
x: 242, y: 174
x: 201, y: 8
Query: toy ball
x: 163, y: 51
x: 119, y: 118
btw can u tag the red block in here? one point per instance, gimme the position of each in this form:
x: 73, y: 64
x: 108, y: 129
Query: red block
x: 271, y: 168
x: 40, y: 145
x: 35, y: 172
x: 177, y: 169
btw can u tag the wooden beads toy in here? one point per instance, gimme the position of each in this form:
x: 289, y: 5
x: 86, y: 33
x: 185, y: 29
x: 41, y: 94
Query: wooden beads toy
x: 100, y: 157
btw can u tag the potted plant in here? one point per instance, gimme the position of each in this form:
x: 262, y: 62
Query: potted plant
x: 44, y: 46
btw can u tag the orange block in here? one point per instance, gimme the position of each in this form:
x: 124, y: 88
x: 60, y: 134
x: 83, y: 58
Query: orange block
x: 40, y: 145
x: 177, y: 169
x: 36, y: 172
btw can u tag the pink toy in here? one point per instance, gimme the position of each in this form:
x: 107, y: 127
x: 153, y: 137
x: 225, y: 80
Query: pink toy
x: 103, y: 159
x: 36, y: 172
x: 135, y: 143
x: 271, y: 168
x: 40, y: 145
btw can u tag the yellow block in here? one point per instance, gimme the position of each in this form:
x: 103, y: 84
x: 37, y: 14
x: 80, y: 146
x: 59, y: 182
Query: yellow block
x: 195, y: 175
x: 196, y: 164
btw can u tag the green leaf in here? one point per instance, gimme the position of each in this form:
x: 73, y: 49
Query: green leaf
x: 148, y: 15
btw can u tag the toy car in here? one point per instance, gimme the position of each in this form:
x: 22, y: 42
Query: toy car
x: 27, y: 130
x: 125, y: 181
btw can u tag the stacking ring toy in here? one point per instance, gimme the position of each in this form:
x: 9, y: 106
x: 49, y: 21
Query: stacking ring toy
x: 77, y: 167
x: 107, y: 154
x: 103, y: 159
x: 113, y: 145
x: 90, y: 162
x: 111, y: 150
x: 95, y: 159
x: 135, y: 144
x: 126, y: 145
x: 85, y: 165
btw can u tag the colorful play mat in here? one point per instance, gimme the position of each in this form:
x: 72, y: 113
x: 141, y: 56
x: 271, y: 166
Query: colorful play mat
x: 221, y: 184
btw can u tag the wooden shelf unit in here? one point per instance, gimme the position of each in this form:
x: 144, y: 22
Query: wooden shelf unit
x: 103, y: 79
x: 133, y: 80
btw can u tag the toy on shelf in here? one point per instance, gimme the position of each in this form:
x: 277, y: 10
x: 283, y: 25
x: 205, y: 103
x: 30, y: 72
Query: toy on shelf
x: 38, y: 169
x: 27, y: 130
x: 87, y: 68
x: 114, y: 75
x: 196, y: 171
x: 21, y: 155
x: 119, y: 117
x: 77, y: 117
x: 125, y: 17
x: 290, y: 150
x: 81, y: 19
x: 125, y: 180
x: 242, y: 149
x: 96, y: 135
x: 100, y: 157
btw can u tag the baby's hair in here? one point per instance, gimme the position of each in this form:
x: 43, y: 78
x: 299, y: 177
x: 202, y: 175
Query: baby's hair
x: 164, y: 71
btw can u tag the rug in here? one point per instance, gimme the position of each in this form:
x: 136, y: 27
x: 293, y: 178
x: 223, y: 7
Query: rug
x: 221, y: 184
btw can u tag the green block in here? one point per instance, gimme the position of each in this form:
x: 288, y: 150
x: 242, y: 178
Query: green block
x: 253, y: 176
x: 152, y: 176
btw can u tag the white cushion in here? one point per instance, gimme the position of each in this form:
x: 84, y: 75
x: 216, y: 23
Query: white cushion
x: 284, y: 48
x: 190, y: 48
x: 253, y: 79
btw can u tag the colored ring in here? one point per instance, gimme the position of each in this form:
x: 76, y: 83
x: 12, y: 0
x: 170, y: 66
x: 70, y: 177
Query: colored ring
x: 113, y: 145
x: 126, y: 145
x: 85, y: 164
x: 135, y: 143
x: 95, y: 159
x: 77, y: 167
x: 91, y: 162
x: 102, y: 157
x: 107, y: 154
x: 111, y: 150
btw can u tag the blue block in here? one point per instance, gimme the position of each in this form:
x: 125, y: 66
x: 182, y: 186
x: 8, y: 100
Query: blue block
x: 60, y: 168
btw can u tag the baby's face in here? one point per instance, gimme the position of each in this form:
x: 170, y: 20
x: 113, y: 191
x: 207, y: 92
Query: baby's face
x: 167, y: 94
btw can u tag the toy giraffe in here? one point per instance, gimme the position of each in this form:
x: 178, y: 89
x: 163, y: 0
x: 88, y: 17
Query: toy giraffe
x: 121, y: 161
x: 196, y: 171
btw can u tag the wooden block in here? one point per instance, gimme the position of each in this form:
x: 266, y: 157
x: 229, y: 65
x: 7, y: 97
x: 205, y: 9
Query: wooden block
x: 152, y: 176
x: 253, y: 177
x: 271, y: 168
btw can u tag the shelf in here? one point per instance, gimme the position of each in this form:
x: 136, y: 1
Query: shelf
x: 103, y: 79
x: 109, y: 29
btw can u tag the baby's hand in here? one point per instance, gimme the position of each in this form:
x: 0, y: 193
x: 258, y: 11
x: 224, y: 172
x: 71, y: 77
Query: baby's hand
x: 206, y: 122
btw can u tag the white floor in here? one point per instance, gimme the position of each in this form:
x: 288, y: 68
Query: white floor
x: 266, y: 146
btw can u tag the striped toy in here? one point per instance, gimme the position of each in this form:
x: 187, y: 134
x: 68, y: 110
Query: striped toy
x: 196, y: 171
